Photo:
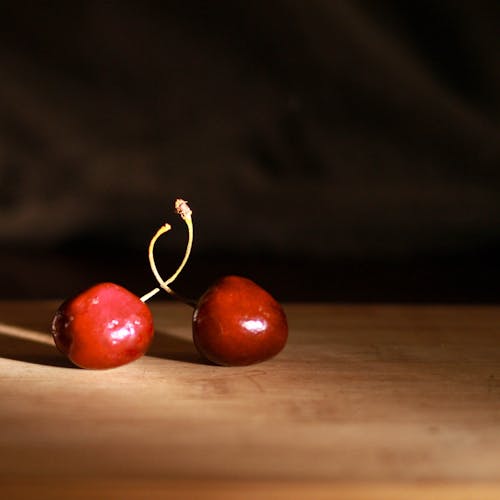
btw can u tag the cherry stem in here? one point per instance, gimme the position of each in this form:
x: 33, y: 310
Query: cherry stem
x: 182, y: 208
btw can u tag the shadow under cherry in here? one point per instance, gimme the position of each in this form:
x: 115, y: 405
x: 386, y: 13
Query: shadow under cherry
x: 171, y: 347
x: 31, y: 351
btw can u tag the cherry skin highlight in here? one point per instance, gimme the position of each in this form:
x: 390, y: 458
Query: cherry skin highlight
x: 236, y: 322
x: 103, y: 327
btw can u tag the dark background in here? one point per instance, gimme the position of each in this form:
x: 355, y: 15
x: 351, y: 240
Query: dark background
x: 329, y: 150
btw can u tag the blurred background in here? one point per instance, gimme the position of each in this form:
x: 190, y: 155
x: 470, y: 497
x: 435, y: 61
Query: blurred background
x: 344, y: 151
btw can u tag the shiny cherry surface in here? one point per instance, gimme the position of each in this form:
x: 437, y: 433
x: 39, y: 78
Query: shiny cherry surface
x: 103, y: 327
x: 236, y: 322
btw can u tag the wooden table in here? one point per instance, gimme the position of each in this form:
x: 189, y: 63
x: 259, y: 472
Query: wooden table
x: 366, y: 401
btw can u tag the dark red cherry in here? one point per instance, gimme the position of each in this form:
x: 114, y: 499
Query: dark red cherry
x: 236, y: 322
x: 103, y: 327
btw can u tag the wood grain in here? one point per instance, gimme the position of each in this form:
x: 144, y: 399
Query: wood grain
x: 364, y: 402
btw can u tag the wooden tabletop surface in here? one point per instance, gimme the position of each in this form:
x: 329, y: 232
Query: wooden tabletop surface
x: 366, y: 401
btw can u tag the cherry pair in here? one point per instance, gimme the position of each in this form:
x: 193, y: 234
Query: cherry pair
x: 235, y: 322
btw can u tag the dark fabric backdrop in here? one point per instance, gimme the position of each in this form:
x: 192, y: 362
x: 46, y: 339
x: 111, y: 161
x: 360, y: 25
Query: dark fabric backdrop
x: 304, y: 131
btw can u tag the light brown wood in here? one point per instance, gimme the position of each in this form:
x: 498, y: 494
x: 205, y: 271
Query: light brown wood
x: 366, y: 401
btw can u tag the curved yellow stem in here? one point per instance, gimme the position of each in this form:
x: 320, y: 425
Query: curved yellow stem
x: 184, y: 211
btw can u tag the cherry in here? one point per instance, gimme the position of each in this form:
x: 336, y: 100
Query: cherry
x: 103, y: 327
x: 106, y: 325
x: 235, y: 322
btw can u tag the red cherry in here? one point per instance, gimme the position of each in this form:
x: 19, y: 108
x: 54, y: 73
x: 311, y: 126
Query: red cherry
x: 103, y: 327
x: 236, y: 322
